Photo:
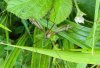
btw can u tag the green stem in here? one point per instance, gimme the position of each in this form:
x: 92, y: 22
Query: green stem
x: 95, y: 23
x: 78, y: 10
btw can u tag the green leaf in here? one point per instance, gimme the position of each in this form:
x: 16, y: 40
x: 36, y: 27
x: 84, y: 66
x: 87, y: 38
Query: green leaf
x: 4, y: 27
x: 61, y: 10
x: 3, y: 20
x: 29, y: 8
x: 72, y: 56
x: 81, y: 65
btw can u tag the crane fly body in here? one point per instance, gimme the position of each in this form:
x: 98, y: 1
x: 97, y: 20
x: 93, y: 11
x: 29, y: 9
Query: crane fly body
x: 52, y: 32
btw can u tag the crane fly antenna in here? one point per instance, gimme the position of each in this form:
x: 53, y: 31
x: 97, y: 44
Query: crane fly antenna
x: 47, y: 34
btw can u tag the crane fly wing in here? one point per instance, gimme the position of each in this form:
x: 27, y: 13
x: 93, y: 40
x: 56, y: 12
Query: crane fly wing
x: 36, y: 24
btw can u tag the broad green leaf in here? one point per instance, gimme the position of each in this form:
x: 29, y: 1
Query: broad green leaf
x: 72, y: 56
x: 29, y: 8
x: 61, y: 10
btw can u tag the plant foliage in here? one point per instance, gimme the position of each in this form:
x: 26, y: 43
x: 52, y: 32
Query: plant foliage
x: 49, y: 33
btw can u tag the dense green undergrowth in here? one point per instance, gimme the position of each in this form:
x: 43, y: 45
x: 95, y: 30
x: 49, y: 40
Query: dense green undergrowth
x: 49, y: 34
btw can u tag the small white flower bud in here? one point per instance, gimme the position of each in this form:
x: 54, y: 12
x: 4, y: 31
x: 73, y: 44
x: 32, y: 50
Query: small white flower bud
x: 79, y: 19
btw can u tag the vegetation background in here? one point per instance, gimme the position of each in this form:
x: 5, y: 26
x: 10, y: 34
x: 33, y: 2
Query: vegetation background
x: 49, y: 34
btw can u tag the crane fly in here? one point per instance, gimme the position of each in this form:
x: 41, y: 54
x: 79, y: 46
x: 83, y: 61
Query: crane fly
x: 49, y: 33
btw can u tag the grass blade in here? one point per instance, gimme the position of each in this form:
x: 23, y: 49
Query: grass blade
x: 4, y: 27
x: 9, y: 62
x: 72, y: 56
x: 39, y: 60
